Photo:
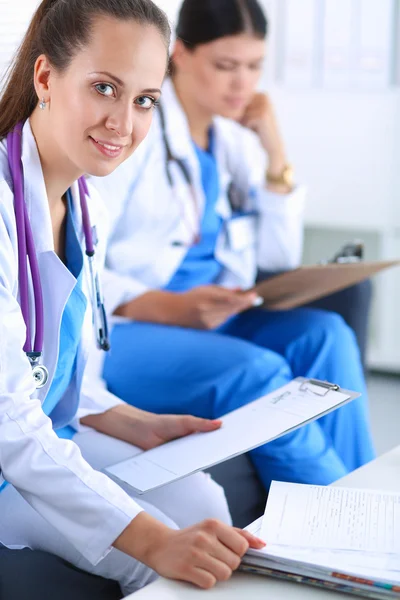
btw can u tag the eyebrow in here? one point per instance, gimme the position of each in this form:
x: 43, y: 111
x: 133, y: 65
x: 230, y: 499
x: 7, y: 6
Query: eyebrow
x: 238, y: 62
x: 121, y: 83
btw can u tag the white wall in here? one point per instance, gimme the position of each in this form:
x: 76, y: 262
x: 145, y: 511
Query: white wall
x: 343, y: 137
x: 14, y: 19
x: 171, y: 7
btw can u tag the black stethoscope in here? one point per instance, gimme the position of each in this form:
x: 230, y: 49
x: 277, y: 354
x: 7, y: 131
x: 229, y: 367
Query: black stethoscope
x: 234, y: 196
x: 27, y: 255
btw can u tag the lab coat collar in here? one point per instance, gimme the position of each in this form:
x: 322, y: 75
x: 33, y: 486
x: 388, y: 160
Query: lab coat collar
x: 177, y: 125
x: 180, y: 140
x: 36, y: 194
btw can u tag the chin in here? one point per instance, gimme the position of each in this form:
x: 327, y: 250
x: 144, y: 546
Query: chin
x: 231, y: 113
x: 97, y: 169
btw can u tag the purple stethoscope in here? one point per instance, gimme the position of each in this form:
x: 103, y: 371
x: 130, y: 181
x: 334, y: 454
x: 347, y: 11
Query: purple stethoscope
x: 27, y: 253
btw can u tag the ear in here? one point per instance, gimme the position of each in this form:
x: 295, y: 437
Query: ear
x: 41, y: 77
x: 181, y: 55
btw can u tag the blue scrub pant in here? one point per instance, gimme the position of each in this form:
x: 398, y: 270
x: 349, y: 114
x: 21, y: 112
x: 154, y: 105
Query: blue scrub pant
x: 166, y: 369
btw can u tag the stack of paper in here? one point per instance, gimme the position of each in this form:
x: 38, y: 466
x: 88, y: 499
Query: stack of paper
x: 338, y: 538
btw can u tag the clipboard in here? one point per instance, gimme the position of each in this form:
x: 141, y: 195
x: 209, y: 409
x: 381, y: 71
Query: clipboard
x: 306, y: 284
x: 298, y: 403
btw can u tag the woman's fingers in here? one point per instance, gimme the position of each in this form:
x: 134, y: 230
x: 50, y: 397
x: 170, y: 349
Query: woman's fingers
x: 192, y: 424
x: 227, y: 556
x: 215, y: 567
x: 201, y: 577
x: 253, y: 541
x: 233, y: 540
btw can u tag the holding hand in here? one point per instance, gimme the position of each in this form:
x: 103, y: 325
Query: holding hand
x: 202, y: 554
x: 144, y: 429
x: 210, y: 306
x: 205, y: 307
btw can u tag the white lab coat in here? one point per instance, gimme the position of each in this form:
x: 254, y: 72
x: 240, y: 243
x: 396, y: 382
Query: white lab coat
x: 148, y: 218
x: 88, y: 508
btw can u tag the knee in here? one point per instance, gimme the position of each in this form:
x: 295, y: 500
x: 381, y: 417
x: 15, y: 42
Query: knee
x: 261, y: 367
x: 334, y: 328
x: 213, y: 503
x: 256, y: 360
x: 256, y: 374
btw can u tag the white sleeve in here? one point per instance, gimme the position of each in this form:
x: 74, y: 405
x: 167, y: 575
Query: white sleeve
x: 280, y: 229
x: 89, y: 509
x: 120, y: 289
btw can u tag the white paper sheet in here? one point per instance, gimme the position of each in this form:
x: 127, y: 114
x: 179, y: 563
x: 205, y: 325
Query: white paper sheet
x: 332, y: 518
x: 248, y: 427
x: 312, y: 528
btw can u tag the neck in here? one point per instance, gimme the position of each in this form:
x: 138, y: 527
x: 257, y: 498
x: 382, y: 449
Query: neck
x: 198, y: 118
x: 59, y: 173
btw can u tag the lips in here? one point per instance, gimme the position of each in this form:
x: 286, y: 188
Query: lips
x: 235, y: 102
x: 107, y: 149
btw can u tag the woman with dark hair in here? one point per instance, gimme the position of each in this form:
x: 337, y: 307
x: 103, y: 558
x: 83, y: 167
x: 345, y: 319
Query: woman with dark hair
x: 79, y: 99
x: 208, y: 200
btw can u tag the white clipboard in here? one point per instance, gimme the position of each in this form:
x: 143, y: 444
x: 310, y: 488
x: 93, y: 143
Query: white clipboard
x: 299, y: 402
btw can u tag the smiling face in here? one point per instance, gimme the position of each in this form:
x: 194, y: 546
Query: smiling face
x: 101, y: 107
x: 222, y: 75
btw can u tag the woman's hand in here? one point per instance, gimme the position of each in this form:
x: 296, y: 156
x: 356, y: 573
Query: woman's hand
x: 205, y: 307
x: 260, y: 117
x: 144, y: 429
x: 202, y: 554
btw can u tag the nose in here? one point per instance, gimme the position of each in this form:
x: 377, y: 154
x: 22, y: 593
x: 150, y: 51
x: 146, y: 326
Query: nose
x: 241, y: 79
x: 121, y: 119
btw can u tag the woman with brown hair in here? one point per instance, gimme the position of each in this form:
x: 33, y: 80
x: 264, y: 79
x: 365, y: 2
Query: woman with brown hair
x: 79, y: 100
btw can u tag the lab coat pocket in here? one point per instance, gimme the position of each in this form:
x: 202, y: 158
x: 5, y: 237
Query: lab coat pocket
x: 241, y: 231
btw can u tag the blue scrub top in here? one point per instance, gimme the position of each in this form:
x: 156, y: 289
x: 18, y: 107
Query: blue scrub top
x: 200, y: 267
x: 71, y: 325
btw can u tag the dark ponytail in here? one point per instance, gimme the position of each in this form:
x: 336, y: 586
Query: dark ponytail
x: 59, y: 29
x: 203, y: 21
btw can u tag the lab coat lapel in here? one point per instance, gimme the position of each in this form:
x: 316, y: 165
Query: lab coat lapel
x: 180, y: 140
x: 56, y: 281
x: 223, y: 208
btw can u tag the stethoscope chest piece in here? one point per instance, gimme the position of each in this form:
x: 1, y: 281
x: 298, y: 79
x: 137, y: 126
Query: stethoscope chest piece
x: 39, y: 372
x: 40, y: 376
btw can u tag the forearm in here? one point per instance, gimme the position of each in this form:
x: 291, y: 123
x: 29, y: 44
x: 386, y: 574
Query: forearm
x: 123, y: 422
x: 142, y: 535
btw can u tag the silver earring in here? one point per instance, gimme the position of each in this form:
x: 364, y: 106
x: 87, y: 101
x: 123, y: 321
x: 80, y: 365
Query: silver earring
x: 42, y: 105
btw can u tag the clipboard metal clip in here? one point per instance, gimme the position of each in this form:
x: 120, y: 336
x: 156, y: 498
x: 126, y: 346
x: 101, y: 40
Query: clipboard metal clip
x: 319, y: 388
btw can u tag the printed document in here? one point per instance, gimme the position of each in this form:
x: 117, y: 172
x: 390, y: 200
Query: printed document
x: 332, y: 518
x: 330, y: 536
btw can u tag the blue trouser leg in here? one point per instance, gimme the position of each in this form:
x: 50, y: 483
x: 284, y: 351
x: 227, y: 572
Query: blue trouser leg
x: 168, y: 369
x: 318, y: 344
